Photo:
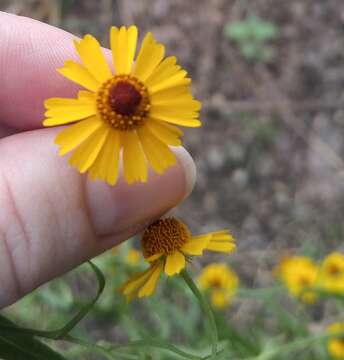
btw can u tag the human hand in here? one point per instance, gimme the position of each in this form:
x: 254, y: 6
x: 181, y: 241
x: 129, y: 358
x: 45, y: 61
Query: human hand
x: 51, y: 217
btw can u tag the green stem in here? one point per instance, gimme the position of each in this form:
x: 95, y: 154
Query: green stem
x: 206, y: 309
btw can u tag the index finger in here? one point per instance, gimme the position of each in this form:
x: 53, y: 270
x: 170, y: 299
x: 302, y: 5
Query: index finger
x: 30, y: 53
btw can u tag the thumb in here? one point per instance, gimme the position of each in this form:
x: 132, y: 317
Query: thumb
x: 52, y: 219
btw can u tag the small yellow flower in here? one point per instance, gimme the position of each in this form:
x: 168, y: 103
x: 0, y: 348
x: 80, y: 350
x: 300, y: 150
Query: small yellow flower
x: 299, y: 274
x: 335, y: 345
x: 133, y: 257
x: 221, y: 282
x: 124, y: 118
x: 166, y: 244
x: 331, y: 276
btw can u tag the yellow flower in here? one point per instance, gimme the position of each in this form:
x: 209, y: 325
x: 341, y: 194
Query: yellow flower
x: 335, y: 345
x: 299, y: 274
x: 124, y: 118
x: 221, y: 282
x: 133, y: 257
x: 331, y: 277
x: 166, y: 244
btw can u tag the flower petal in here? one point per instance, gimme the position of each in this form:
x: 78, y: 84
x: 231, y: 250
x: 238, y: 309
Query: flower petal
x: 132, y: 286
x: 85, y: 155
x: 149, y: 57
x: 175, y: 263
x: 157, y: 153
x: 149, y: 287
x: 93, y: 58
x: 167, y: 133
x: 134, y: 161
x: 163, y: 71
x: 63, y: 111
x: 177, y: 80
x: 72, y: 136
x: 78, y: 74
x: 154, y: 257
x: 196, y: 245
x: 106, y: 165
x: 123, y: 45
x: 221, y: 246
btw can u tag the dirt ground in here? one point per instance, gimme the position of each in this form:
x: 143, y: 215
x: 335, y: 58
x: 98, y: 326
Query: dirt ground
x: 269, y: 155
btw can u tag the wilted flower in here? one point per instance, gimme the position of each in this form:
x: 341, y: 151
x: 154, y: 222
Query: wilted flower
x: 335, y: 345
x: 221, y: 282
x: 166, y: 245
x: 299, y: 274
x: 127, y: 116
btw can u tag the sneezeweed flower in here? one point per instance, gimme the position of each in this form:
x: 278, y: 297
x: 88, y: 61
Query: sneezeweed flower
x: 299, y: 275
x: 331, y: 275
x: 167, y: 244
x: 133, y: 257
x: 221, y: 282
x: 124, y: 117
x: 335, y: 345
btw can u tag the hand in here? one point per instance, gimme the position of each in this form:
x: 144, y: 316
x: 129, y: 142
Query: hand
x: 52, y: 218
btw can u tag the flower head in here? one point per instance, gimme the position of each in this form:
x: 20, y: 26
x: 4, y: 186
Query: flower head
x: 331, y: 275
x: 166, y: 245
x: 221, y: 282
x: 127, y: 117
x: 335, y: 345
x: 299, y: 275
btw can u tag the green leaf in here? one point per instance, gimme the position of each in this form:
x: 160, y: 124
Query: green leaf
x: 19, y: 347
x: 60, y: 333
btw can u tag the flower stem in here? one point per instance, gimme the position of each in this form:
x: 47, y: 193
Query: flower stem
x: 206, y: 309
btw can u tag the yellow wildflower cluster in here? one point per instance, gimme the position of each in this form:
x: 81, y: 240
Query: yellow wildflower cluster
x: 303, y: 277
x: 221, y: 282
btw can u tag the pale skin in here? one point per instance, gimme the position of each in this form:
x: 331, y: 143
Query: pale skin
x: 52, y: 218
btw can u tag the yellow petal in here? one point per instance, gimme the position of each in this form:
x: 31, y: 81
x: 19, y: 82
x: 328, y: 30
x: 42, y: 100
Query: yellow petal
x: 175, y: 263
x: 59, y: 116
x: 134, y: 162
x: 63, y: 103
x: 184, y: 104
x: 157, y: 153
x: 93, y: 58
x: 171, y: 93
x: 189, y: 122
x: 149, y: 287
x: 168, y: 134
x: 72, y: 136
x: 106, y: 165
x: 63, y: 110
x: 132, y: 286
x: 222, y: 235
x: 123, y: 45
x: 85, y: 155
x: 154, y: 257
x: 221, y: 246
x: 196, y: 245
x: 78, y: 74
x: 177, y: 80
x: 149, y: 57
x: 86, y: 95
x: 163, y: 71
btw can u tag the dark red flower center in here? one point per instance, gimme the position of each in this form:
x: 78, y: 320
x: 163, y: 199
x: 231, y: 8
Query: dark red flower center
x: 124, y: 98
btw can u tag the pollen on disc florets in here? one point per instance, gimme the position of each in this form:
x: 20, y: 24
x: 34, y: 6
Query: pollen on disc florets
x: 123, y: 102
x: 164, y: 236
